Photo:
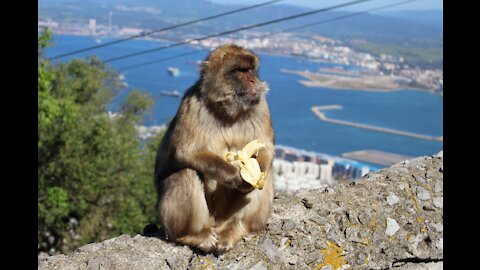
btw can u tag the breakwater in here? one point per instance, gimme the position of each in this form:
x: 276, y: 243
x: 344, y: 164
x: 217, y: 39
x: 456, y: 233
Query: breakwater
x: 317, y: 110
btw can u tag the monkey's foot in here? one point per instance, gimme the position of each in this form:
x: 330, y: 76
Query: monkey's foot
x: 223, y: 247
x: 210, y: 242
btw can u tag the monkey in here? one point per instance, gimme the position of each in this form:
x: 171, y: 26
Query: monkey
x: 203, y: 202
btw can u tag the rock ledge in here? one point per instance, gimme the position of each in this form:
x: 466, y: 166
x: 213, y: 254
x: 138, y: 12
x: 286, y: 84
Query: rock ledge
x: 391, y: 218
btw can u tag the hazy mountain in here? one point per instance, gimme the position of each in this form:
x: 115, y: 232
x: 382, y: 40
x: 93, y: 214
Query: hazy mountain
x: 160, y: 13
x: 427, y: 17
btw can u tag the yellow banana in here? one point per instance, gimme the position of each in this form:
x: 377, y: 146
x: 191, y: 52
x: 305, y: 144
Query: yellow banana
x: 249, y: 167
x: 252, y: 148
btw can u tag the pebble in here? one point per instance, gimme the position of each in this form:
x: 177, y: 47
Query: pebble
x: 437, y: 226
x: 392, y: 199
x: 403, y: 186
x: 171, y: 261
x: 419, y: 179
x: 438, y: 188
x: 438, y: 202
x: 288, y: 224
x: 270, y: 249
x: 392, y: 227
x: 283, y: 243
x: 439, y: 244
x: 292, y: 260
x: 423, y: 194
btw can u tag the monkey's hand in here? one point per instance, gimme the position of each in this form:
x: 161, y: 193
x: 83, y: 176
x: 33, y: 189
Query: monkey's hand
x: 215, y: 167
x: 249, y: 167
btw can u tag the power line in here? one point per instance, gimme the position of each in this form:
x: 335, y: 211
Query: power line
x: 162, y: 59
x: 164, y: 29
x: 236, y: 30
x: 340, y: 17
x: 274, y: 33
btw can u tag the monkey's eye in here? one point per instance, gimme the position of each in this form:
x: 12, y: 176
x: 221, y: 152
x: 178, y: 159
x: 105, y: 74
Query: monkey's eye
x: 242, y: 70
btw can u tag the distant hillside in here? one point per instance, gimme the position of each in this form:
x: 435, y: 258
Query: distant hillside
x: 133, y: 13
x: 415, y: 35
x: 428, y: 17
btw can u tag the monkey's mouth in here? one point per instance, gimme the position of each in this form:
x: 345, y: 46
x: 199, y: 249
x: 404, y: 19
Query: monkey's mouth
x: 250, y: 96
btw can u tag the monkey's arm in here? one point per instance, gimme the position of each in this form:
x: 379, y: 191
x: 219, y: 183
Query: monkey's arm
x: 214, y: 167
x: 265, y: 161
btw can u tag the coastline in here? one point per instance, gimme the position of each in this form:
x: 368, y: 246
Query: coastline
x: 382, y: 84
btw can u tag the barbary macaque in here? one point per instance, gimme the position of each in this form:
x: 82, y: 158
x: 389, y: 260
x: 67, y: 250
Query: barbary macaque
x: 203, y: 202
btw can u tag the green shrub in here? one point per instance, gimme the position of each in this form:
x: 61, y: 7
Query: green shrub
x: 95, y: 176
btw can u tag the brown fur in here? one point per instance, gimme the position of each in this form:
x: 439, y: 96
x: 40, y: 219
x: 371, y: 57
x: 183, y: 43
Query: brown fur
x: 203, y: 201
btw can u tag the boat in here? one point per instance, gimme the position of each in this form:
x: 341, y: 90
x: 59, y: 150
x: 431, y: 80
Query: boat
x: 122, y: 80
x: 174, y: 71
x: 173, y: 93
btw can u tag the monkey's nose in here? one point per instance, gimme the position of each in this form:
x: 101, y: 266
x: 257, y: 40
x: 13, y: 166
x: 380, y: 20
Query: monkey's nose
x: 252, y: 91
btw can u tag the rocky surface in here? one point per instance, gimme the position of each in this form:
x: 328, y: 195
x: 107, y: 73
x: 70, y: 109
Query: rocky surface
x: 390, y: 219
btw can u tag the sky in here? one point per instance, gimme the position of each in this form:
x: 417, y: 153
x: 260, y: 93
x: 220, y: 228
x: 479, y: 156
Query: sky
x: 418, y: 5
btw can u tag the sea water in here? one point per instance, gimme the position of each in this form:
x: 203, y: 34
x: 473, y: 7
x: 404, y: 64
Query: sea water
x: 290, y: 102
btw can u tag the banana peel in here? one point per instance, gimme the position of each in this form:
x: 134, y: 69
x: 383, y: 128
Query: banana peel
x: 249, y: 167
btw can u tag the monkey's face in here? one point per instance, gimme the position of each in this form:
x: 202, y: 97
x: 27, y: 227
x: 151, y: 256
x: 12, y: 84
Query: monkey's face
x: 245, y: 85
x: 230, y: 76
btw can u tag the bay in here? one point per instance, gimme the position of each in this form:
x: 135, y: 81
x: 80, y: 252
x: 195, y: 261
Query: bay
x: 290, y: 102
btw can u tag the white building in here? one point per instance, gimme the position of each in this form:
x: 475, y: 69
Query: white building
x: 292, y: 176
x: 92, y: 27
x: 326, y: 173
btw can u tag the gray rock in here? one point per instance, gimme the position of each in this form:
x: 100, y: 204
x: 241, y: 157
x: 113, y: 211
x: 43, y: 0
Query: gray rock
x: 349, y: 222
x: 392, y: 199
x: 288, y: 225
x: 356, y: 235
x: 421, y: 266
x: 438, y: 188
x: 392, y: 226
x: 423, y: 194
x: 437, y: 227
x: 439, y: 243
x: 438, y: 202
x: 419, y: 179
x: 96, y: 264
x: 292, y: 260
x: 284, y: 243
x: 269, y: 249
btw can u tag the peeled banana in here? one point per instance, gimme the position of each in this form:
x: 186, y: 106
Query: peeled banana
x: 249, y: 167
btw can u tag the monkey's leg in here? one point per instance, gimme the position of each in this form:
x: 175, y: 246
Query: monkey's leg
x: 252, y: 217
x: 184, y: 212
x: 229, y: 234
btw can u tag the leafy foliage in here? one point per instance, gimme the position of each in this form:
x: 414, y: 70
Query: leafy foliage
x: 95, y: 176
